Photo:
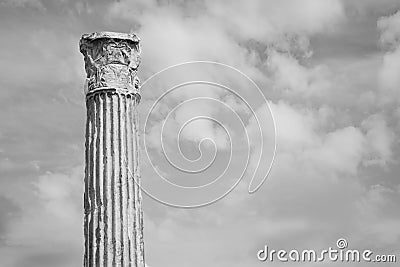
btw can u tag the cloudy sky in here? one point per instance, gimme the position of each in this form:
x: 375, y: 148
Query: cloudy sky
x: 330, y: 70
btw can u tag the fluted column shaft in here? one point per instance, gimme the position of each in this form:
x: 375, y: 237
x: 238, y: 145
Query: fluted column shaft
x: 113, y: 214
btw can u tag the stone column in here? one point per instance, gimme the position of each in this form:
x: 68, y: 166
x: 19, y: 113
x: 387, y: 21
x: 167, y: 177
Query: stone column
x: 113, y: 225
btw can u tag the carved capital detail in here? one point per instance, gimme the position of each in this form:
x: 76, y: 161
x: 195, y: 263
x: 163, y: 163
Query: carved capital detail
x: 111, y: 60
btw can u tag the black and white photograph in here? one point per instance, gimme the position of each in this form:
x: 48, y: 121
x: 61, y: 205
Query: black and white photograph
x: 192, y: 133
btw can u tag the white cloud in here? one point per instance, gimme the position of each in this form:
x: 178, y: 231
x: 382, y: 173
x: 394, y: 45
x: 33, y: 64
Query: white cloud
x: 295, y: 127
x: 306, y: 17
x: 341, y: 151
x: 373, y: 207
x: 51, y: 224
x: 293, y: 78
x: 390, y: 30
x: 380, y: 139
x: 305, y: 134
x: 390, y: 37
x: 389, y: 73
x: 24, y: 3
x: 59, y: 193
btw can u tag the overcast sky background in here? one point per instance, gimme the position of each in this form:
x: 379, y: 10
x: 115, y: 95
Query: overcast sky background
x: 330, y: 69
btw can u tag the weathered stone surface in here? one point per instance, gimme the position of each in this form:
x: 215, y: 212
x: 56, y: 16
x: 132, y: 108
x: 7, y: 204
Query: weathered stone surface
x: 111, y: 60
x: 113, y: 225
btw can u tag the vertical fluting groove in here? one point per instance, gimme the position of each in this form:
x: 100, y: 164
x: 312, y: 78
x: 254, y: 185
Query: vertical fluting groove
x: 94, y: 187
x: 136, y: 185
x: 131, y: 184
x: 137, y: 189
x: 95, y: 183
x: 124, y: 181
x: 90, y: 191
x: 91, y: 188
x: 109, y: 180
x: 140, y: 248
x: 85, y: 196
x: 104, y: 182
x: 112, y: 178
x: 117, y: 185
x: 120, y: 179
x: 104, y: 179
x: 100, y: 190
x: 97, y: 214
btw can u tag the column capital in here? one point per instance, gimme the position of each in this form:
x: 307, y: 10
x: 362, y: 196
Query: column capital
x: 111, y: 61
